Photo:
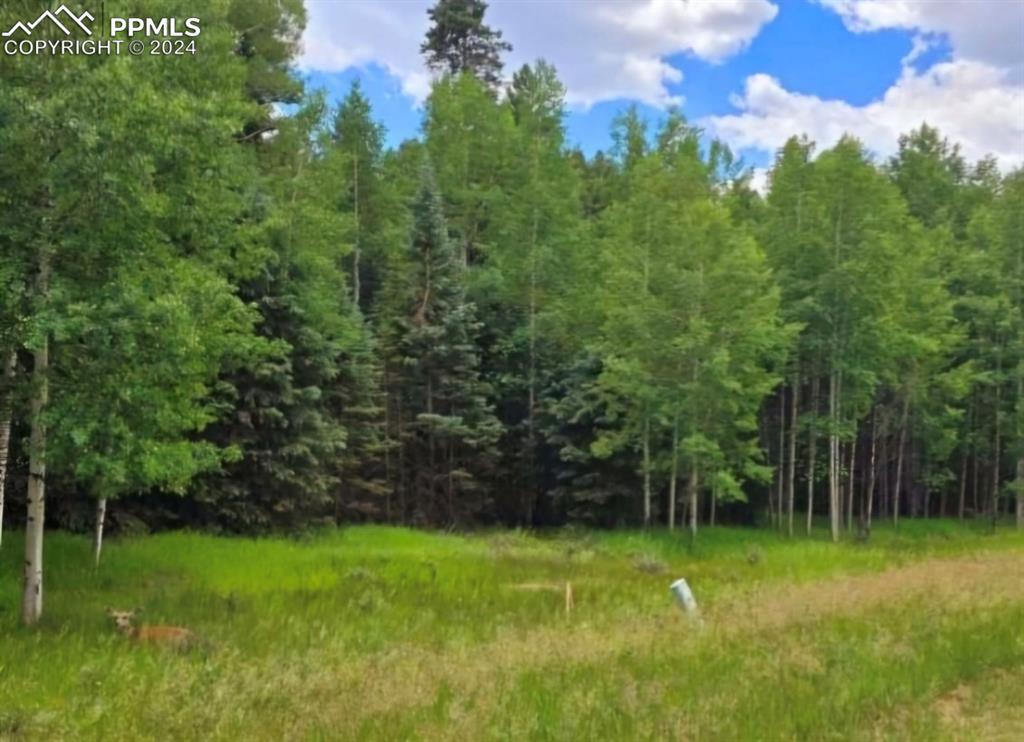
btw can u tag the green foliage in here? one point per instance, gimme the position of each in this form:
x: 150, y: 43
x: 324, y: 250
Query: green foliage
x: 254, y: 302
x: 459, y: 41
x: 444, y: 424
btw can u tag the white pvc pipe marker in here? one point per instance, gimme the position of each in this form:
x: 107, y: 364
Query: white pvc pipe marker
x: 684, y: 596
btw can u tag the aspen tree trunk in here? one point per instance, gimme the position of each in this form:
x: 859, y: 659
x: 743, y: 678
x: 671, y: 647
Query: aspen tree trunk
x: 32, y: 597
x: 675, y: 476
x: 714, y: 502
x: 647, y: 472
x: 5, y: 430
x: 387, y: 445
x: 693, y: 486
x: 883, y: 476
x: 780, y: 484
x: 812, y: 450
x: 870, y: 496
x: 833, y: 455
x: 849, y: 490
x: 791, y: 478
x: 1020, y: 492
x: 975, y: 484
x: 997, y: 444
x: 899, y: 461
x: 1019, y: 483
x: 97, y: 540
x: 647, y: 419
x: 764, y: 436
x: 963, y: 486
x: 833, y: 400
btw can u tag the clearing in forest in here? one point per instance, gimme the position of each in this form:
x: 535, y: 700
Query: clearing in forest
x: 381, y: 633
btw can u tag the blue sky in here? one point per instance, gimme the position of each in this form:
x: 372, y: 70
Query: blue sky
x: 749, y: 71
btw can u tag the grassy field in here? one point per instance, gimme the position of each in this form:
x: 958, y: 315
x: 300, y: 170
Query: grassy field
x: 390, y: 634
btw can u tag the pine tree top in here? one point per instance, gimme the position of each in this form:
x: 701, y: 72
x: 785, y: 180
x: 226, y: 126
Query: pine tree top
x: 459, y: 41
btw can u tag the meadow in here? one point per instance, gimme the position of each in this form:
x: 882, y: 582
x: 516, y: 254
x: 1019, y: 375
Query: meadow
x: 387, y: 633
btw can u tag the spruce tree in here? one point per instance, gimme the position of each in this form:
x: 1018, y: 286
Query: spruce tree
x: 445, y: 425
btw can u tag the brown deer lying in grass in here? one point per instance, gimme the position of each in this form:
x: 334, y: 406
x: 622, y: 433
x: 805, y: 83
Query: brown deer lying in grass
x: 174, y: 636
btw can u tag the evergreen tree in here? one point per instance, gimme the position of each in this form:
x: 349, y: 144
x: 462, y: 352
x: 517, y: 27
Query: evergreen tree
x: 459, y: 41
x: 287, y: 415
x: 443, y: 421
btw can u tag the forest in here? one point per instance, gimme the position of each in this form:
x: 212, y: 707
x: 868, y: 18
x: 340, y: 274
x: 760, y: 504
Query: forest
x: 227, y: 306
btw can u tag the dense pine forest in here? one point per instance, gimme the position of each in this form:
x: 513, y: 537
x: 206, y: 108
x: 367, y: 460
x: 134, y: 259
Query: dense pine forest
x: 226, y: 305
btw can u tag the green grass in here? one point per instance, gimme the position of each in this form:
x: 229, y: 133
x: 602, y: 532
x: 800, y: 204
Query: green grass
x: 389, y: 633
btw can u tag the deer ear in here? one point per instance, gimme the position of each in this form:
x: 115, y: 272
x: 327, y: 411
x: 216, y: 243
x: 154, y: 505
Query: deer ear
x: 136, y: 611
x: 110, y: 611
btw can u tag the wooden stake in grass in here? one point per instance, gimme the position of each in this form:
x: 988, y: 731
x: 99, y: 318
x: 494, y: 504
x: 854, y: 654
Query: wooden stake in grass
x: 568, y: 599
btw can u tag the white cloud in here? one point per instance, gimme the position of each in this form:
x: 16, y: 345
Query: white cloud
x: 971, y: 102
x: 976, y: 98
x: 603, y: 49
x: 989, y: 31
x: 342, y: 35
x: 759, y: 180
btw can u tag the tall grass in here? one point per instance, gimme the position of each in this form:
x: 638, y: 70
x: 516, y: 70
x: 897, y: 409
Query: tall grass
x: 391, y: 633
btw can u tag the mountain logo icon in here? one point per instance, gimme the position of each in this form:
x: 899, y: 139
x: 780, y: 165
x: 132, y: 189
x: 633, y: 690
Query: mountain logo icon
x: 54, y: 17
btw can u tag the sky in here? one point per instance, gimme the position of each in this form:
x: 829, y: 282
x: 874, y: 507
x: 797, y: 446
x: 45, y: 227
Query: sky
x: 750, y: 72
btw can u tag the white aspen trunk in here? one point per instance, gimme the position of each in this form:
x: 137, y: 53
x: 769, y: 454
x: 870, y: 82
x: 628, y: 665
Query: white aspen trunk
x: 714, y: 504
x: 963, y: 486
x: 833, y: 456
x: 1020, y: 492
x: 781, y: 484
x: 870, y: 496
x: 899, y: 462
x: 791, y: 478
x: 32, y: 596
x: 692, y: 487
x: 387, y: 445
x: 834, y: 408
x: 647, y: 472
x: 97, y: 539
x: 997, y: 444
x: 811, y: 453
x: 849, y: 489
x: 675, y: 476
x: 1019, y: 483
x: 5, y: 431
x: 975, y: 483
x: 647, y: 419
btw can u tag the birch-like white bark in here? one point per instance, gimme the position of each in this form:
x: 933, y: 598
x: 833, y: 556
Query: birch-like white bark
x: 97, y: 539
x: 5, y: 431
